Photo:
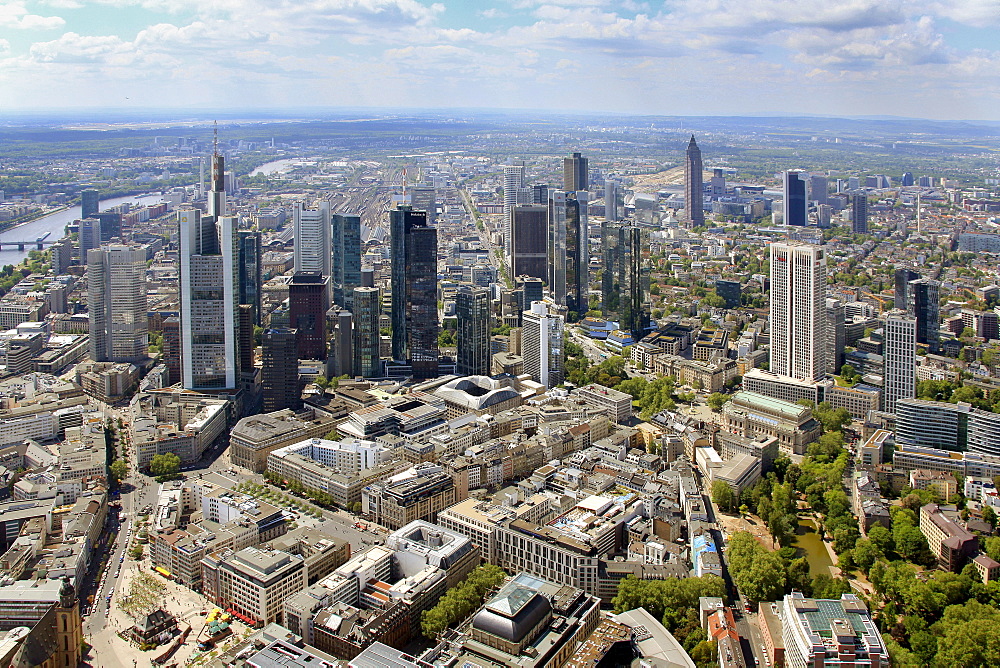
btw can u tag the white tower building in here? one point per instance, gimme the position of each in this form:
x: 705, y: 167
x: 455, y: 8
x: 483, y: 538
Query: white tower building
x: 542, y: 345
x: 313, y: 245
x: 798, y: 311
x: 116, y: 297
x: 900, y: 359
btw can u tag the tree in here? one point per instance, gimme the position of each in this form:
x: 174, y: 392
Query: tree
x: 135, y: 552
x: 723, y: 496
x: 332, y: 435
x: 832, y: 419
x: 990, y: 516
x: 118, y: 470
x: 165, y: 464
x: 716, y: 400
x: 759, y: 574
x: 460, y: 601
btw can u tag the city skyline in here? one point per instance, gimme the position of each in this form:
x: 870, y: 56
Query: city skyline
x: 859, y: 58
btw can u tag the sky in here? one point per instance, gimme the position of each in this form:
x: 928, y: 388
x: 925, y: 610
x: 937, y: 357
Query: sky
x: 929, y: 59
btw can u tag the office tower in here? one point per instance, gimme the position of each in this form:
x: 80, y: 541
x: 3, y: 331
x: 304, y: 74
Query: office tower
x: 280, y: 372
x: 346, y: 258
x: 540, y: 194
x: 900, y: 359
x: 414, y: 291
x: 836, y: 335
x: 90, y: 236
x: 902, y: 284
x: 116, y: 297
x: 250, y: 272
x: 367, y: 277
x: 853, y: 183
x: 906, y: 180
x: 89, y: 202
x: 922, y: 303
x: 926, y: 182
x: 172, y: 349
x: 542, y: 345
x: 575, y: 173
x: 794, y: 198
x: 569, y: 251
x: 859, y: 213
x: 529, y: 241
x: 111, y: 224
x: 513, y: 187
x: 313, y: 246
x: 308, y: 299
x: 693, y: 186
x: 717, y: 184
x: 624, y: 277
x: 798, y: 311
x: 342, y: 342
x: 367, y: 313
x: 424, y: 198
x: 611, y: 199
x: 245, y: 343
x: 818, y: 188
x: 208, y: 299
x: 533, y: 290
x: 472, y: 306
x: 730, y: 291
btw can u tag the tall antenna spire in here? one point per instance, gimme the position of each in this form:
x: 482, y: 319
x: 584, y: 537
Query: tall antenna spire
x: 215, y: 140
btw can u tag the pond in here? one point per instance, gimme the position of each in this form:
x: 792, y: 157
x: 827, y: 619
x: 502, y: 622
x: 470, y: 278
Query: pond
x: 812, y: 547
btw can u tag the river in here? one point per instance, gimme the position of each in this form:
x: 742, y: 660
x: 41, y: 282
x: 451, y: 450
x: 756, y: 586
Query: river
x: 275, y: 166
x: 54, y: 225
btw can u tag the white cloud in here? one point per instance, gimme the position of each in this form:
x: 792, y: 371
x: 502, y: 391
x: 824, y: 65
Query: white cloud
x: 15, y: 15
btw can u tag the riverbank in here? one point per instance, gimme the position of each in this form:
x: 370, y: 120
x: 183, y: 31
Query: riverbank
x: 30, y: 218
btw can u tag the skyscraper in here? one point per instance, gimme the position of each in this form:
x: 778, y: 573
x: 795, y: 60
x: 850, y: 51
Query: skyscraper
x: 730, y: 291
x: 280, y: 372
x: 472, y: 306
x: 250, y: 271
x: 569, y: 251
x: 529, y: 241
x: 900, y: 365
x: 116, y: 297
x: 575, y: 173
x: 367, y: 312
x: 611, y: 194
x: 818, y: 188
x: 90, y: 236
x: 424, y: 198
x: 902, y: 286
x: 111, y: 224
x: 308, y: 299
x: 341, y: 341
x: 313, y: 246
x: 836, y: 335
x: 922, y: 303
x: 89, y: 202
x: 542, y: 345
x: 798, y: 311
x: 859, y: 213
x: 514, y: 192
x: 414, y: 291
x: 624, y: 277
x: 693, y: 185
x: 346, y: 258
x: 208, y: 299
x: 795, y: 205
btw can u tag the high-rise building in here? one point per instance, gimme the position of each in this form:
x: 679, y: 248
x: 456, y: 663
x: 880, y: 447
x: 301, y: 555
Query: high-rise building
x: 313, y: 246
x: 532, y: 289
x: 539, y: 194
x: 90, y: 236
x: 829, y: 632
x: 367, y: 313
x: 90, y: 202
x: 575, y: 173
x: 308, y: 299
x: 414, y: 291
x: 900, y: 361
x: 346, y: 258
x: 902, y: 286
x: 798, y: 311
x: 795, y: 205
x: 472, y: 306
x: 818, y: 188
x: 342, y: 341
x: 251, y: 272
x: 208, y: 300
x: 529, y: 241
x: 859, y: 213
x: 172, y: 349
x: 111, y: 224
x: 280, y: 370
x: 693, y: 185
x: 116, y: 297
x: 906, y: 180
x: 424, y: 198
x: 730, y: 291
x: 611, y: 194
x: 542, y: 345
x: 836, y: 335
x: 922, y: 303
x: 513, y: 194
x: 568, y: 250
x: 624, y: 277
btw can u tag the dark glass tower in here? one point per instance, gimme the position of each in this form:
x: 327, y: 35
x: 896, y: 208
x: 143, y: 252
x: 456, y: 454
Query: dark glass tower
x: 472, y: 305
x: 250, y: 271
x: 693, y: 185
x: 367, y: 312
x: 89, y: 202
x: 308, y: 297
x: 730, y: 291
x: 529, y: 241
x: 414, y: 291
x: 346, y: 258
x: 922, y: 304
x: 903, y: 278
x: 280, y: 373
x: 624, y: 277
x: 575, y: 173
x: 859, y: 213
x: 795, y: 199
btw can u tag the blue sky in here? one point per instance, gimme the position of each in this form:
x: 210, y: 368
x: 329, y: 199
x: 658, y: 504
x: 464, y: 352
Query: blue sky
x: 841, y: 57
